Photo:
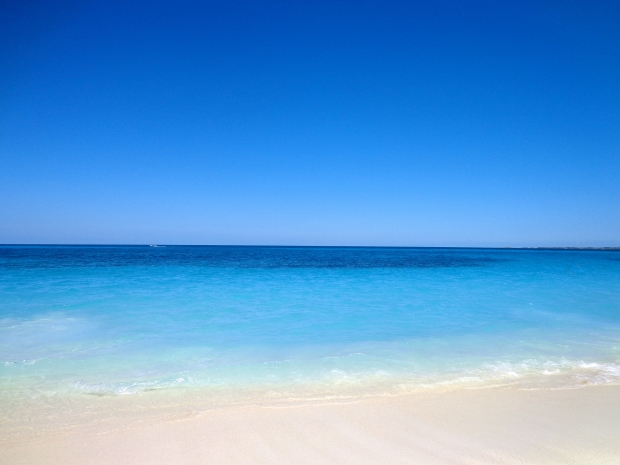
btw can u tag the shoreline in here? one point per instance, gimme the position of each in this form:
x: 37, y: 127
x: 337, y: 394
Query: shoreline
x: 473, y: 426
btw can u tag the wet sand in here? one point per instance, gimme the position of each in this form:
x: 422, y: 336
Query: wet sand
x: 483, y: 426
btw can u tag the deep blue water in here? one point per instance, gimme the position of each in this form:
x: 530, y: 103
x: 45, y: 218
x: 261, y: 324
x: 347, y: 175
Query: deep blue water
x: 315, y: 321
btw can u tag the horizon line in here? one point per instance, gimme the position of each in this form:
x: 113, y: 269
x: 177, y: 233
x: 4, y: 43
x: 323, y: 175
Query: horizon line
x: 602, y: 248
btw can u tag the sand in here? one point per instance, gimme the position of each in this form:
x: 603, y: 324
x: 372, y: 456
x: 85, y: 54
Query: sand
x: 483, y: 426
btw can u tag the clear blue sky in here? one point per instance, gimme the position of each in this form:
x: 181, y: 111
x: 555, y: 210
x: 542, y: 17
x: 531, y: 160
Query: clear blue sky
x: 465, y: 123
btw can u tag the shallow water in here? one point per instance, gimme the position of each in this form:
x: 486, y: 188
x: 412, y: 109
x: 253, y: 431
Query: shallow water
x: 279, y: 324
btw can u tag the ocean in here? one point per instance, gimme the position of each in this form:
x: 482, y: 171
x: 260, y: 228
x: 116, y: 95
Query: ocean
x: 224, y: 325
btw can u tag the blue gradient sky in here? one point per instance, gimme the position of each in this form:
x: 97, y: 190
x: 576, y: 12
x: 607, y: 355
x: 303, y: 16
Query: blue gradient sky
x: 465, y: 123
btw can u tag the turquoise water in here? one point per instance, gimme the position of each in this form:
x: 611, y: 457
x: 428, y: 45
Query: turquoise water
x: 313, y: 323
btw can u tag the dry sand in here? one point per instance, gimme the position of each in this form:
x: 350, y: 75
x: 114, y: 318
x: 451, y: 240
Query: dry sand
x: 485, y: 426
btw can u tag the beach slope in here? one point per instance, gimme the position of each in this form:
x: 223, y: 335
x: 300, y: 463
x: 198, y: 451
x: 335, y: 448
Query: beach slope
x: 484, y: 426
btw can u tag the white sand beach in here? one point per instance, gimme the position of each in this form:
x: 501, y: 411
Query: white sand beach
x: 483, y: 426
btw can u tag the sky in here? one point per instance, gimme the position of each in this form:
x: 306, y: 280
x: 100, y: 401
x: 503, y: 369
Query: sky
x: 443, y: 123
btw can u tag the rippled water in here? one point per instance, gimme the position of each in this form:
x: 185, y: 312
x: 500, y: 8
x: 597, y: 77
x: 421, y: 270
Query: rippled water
x: 282, y: 323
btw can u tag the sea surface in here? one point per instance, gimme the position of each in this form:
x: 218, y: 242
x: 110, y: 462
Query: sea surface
x: 286, y: 324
